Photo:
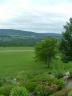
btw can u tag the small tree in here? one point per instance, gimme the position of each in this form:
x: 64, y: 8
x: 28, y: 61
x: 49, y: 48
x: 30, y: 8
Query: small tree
x: 66, y: 42
x: 46, y: 50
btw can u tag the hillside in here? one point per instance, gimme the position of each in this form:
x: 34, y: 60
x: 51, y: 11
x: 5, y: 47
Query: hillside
x: 10, y: 37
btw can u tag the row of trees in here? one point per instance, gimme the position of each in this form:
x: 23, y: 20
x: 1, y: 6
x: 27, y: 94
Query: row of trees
x: 8, y: 41
x: 46, y: 50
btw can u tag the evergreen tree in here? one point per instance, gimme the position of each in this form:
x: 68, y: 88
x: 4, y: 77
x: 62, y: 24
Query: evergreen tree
x: 66, y: 43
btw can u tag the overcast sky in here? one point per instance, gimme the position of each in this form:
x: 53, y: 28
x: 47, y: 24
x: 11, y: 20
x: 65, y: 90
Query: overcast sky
x: 35, y: 15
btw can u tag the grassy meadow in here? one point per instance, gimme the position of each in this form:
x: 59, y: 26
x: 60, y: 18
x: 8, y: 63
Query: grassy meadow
x: 17, y: 59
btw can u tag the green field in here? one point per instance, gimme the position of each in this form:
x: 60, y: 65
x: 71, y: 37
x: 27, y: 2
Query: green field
x: 17, y: 59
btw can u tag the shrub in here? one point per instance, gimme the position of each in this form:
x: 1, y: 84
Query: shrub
x: 63, y: 92
x: 5, y: 90
x: 1, y: 82
x: 44, y: 84
x: 70, y: 93
x: 1, y: 95
x: 50, y: 79
x: 44, y: 77
x: 44, y: 90
x: 30, y: 85
x: 19, y: 91
x: 58, y: 74
x: 70, y: 74
x: 60, y: 83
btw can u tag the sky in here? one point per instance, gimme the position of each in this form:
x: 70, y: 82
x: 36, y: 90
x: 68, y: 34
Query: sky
x: 46, y: 16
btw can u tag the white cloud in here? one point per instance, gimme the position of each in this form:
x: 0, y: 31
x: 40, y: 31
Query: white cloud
x: 35, y: 15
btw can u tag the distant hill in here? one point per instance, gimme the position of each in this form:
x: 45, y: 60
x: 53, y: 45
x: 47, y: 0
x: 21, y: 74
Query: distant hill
x: 10, y: 37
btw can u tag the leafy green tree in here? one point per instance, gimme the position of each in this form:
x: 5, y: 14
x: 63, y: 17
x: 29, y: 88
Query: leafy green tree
x: 46, y: 50
x: 66, y: 42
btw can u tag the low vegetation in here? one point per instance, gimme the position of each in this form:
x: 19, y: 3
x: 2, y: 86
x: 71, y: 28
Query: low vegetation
x: 19, y: 91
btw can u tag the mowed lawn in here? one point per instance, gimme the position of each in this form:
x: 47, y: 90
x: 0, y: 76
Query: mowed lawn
x: 17, y: 59
x: 14, y: 60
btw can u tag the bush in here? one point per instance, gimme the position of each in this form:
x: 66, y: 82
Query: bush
x: 58, y: 74
x: 1, y: 82
x: 63, y: 92
x: 1, y: 95
x: 60, y: 83
x: 30, y: 85
x: 19, y: 91
x: 44, y: 77
x: 70, y: 93
x: 5, y: 90
x: 44, y: 84
x: 44, y: 90
x: 50, y: 79
x: 70, y: 74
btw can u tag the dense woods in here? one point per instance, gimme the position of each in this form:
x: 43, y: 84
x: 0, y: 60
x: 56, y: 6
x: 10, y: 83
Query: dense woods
x: 9, y: 37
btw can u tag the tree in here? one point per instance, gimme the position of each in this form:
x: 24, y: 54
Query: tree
x: 45, y: 50
x: 66, y: 42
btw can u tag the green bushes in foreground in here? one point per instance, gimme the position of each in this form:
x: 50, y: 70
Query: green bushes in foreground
x: 44, y: 90
x: 30, y: 85
x: 46, y: 78
x: 1, y: 95
x: 42, y: 84
x: 19, y: 91
x: 63, y: 92
x: 5, y: 90
x: 70, y: 93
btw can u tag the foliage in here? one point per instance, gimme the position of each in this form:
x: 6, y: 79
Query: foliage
x: 63, y: 92
x: 44, y: 84
x: 19, y: 91
x: 49, y: 79
x: 1, y: 95
x: 30, y: 85
x: 66, y: 43
x: 2, y: 81
x: 70, y: 93
x: 44, y: 90
x: 46, y: 50
x: 58, y: 74
x: 5, y: 90
x: 60, y: 83
x: 44, y: 77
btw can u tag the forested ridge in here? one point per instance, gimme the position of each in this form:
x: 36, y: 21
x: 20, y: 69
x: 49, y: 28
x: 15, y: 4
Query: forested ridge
x: 10, y: 37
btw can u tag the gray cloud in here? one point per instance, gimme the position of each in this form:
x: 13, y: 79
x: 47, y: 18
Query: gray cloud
x: 37, y: 20
x: 39, y: 23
